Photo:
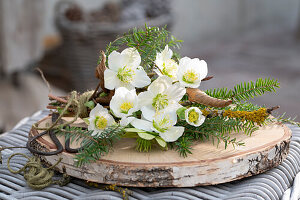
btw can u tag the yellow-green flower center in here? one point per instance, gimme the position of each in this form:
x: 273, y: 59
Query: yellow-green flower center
x: 100, y: 122
x: 193, y: 116
x: 125, y: 74
x: 169, y: 68
x: 125, y: 107
x: 160, y: 101
x: 163, y: 124
x: 190, y: 76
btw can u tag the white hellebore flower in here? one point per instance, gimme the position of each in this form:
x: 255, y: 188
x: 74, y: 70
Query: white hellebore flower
x: 162, y: 123
x: 161, y: 94
x: 99, y: 119
x: 194, y: 117
x: 124, y: 102
x: 124, y: 70
x: 166, y: 65
x: 191, y: 72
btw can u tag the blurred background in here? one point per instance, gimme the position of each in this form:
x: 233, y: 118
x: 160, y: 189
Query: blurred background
x: 241, y: 40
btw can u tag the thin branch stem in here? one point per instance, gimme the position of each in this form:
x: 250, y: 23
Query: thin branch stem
x: 59, y: 99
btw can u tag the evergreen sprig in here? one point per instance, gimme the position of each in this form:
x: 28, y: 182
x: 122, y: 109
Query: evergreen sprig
x: 245, y: 90
x: 283, y: 119
x: 148, y: 42
x: 215, y: 129
x: 94, y: 147
x: 183, y: 145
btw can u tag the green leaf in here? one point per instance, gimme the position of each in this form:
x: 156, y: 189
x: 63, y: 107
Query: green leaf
x: 103, y: 94
x: 59, y: 110
x: 90, y: 104
x: 86, y: 120
x: 130, y: 135
x: 133, y: 130
x: 161, y: 142
x: 146, y: 136
x: 181, y: 113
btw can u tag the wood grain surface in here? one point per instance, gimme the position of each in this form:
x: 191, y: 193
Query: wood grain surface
x: 208, y: 165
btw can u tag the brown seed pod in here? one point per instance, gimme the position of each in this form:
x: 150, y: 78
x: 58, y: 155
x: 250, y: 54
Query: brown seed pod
x: 198, y: 96
x: 99, y: 73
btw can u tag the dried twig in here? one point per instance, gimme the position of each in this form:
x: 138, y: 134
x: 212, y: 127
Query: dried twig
x: 44, y: 79
x: 59, y: 99
x: 207, y: 78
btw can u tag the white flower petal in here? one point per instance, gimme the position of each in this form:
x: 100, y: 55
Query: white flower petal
x: 171, y: 114
x: 167, y: 53
x: 131, y: 57
x: 126, y: 120
x: 184, y: 62
x: 115, y: 61
x: 160, y: 84
x: 200, y: 66
x: 163, y: 56
x: 204, y: 70
x: 148, y: 112
x: 126, y: 85
x: 110, y: 120
x: 91, y: 126
x: 123, y: 95
x: 175, y: 92
x: 110, y: 79
x: 140, y: 79
x: 189, y: 85
x: 96, y: 132
x: 172, y: 134
x: 145, y: 98
x: 97, y: 110
x: 142, y: 124
x: 200, y: 120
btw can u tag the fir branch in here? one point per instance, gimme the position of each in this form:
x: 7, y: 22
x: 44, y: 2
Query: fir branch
x: 75, y: 133
x: 245, y: 91
x: 148, y: 42
x: 248, y: 106
x: 283, y: 119
x: 183, y: 145
x: 94, y: 147
x: 219, y: 128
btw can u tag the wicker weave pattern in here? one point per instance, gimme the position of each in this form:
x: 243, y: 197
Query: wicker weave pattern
x: 270, y: 185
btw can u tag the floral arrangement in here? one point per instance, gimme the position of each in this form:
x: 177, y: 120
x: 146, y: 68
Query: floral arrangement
x: 149, y: 93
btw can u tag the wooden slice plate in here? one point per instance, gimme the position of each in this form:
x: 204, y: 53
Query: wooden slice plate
x: 208, y: 165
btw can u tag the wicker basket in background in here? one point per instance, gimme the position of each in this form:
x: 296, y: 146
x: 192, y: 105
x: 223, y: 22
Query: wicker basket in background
x: 83, y: 38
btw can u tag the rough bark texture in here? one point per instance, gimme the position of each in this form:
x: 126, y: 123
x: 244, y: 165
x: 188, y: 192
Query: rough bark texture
x: 167, y: 169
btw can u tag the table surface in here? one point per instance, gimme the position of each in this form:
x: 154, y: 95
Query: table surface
x: 279, y: 182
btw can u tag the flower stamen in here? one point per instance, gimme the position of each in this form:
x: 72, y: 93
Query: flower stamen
x: 163, y: 124
x: 193, y: 116
x: 190, y: 76
x: 169, y: 68
x: 160, y: 101
x: 100, y: 122
x: 125, y: 107
x: 125, y: 74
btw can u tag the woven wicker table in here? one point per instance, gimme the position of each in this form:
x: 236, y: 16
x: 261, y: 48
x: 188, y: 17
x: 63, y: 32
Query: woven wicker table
x: 278, y: 183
